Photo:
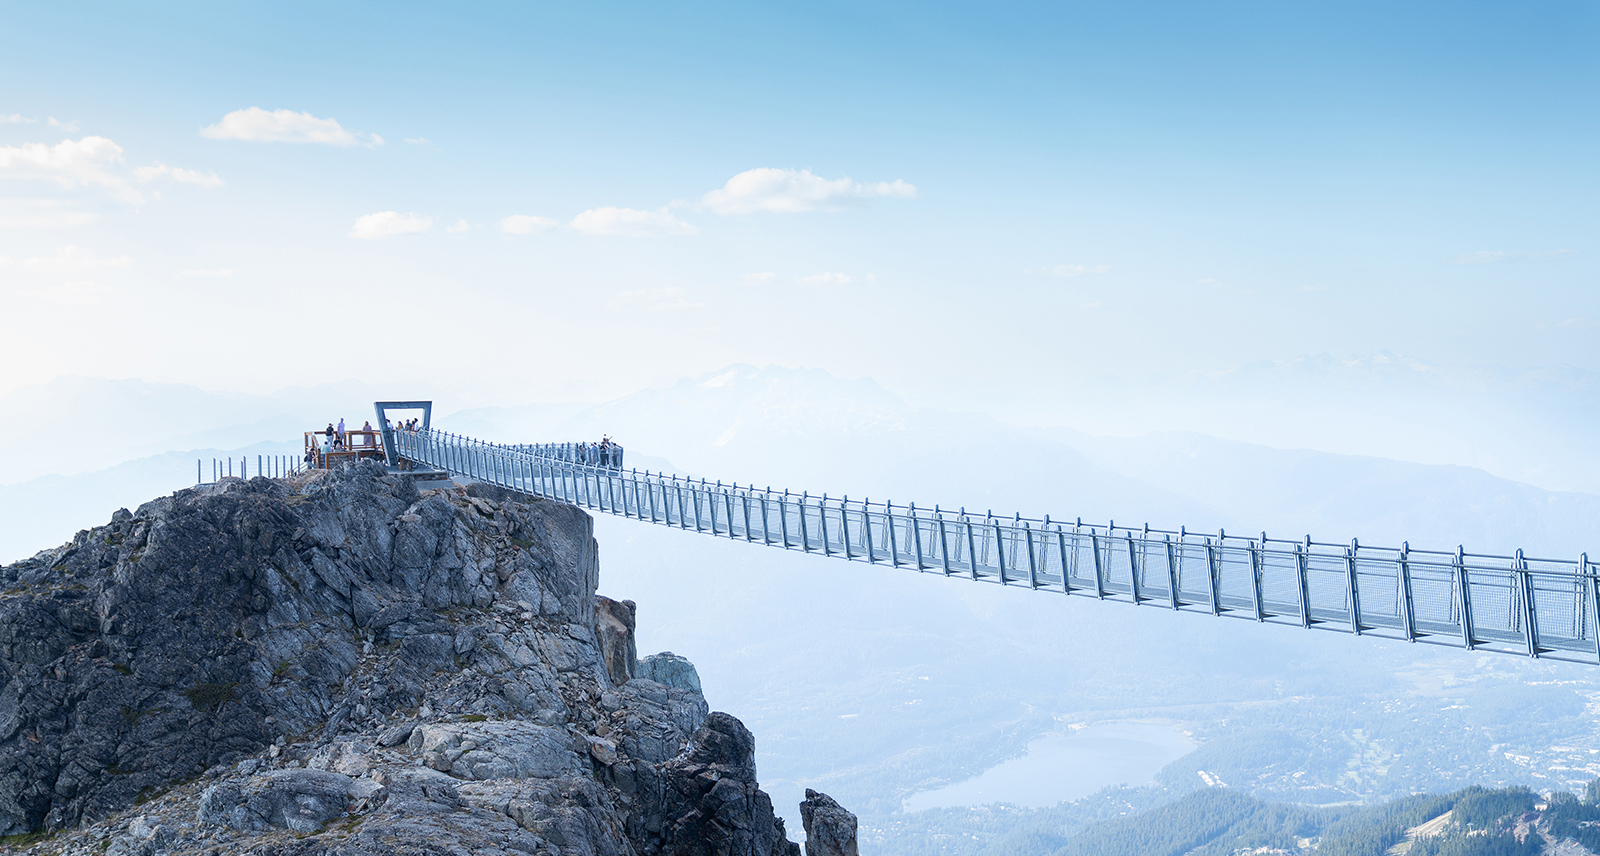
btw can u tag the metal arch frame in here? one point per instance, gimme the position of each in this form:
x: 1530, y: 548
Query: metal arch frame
x: 381, y: 408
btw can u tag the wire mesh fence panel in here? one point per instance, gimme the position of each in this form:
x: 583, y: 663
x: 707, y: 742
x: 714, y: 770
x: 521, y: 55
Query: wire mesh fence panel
x: 1280, y: 583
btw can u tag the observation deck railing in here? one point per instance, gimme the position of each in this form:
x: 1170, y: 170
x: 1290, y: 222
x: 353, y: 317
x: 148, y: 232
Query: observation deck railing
x: 1515, y: 604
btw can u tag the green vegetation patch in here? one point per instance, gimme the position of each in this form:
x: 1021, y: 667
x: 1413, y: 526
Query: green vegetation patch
x: 209, y: 697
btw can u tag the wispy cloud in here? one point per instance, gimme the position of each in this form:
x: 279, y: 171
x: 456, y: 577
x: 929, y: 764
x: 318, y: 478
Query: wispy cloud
x: 89, y: 162
x: 16, y: 119
x: 42, y: 214
x: 207, y: 274
x: 631, y: 222
x: 387, y: 224
x: 527, y: 224
x: 1489, y: 257
x: 758, y: 278
x: 1069, y: 271
x: 181, y: 176
x: 69, y: 127
x: 787, y: 191
x: 418, y: 141
x: 70, y: 259
x: 285, y: 126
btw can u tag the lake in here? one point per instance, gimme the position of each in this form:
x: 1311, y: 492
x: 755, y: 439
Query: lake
x: 1061, y: 767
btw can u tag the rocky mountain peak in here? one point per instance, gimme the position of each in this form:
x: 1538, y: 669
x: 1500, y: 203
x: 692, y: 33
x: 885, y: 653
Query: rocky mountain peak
x: 346, y: 663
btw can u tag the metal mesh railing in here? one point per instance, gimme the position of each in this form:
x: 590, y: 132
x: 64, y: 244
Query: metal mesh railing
x: 1516, y: 604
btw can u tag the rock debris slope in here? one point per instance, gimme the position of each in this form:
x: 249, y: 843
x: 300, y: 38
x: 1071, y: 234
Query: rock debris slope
x: 342, y: 664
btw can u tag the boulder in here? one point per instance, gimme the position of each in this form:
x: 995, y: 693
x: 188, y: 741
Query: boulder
x: 830, y: 830
x: 671, y: 670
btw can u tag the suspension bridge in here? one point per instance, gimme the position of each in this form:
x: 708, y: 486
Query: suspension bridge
x: 1518, y: 604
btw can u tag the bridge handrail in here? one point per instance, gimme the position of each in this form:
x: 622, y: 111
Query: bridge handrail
x: 1532, y: 606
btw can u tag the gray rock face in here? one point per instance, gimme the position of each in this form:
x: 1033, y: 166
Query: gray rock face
x: 669, y: 669
x: 297, y: 800
x: 830, y: 830
x: 615, y: 625
x: 337, y: 663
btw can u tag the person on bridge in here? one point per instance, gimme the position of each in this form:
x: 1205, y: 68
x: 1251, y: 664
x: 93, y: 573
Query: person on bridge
x: 366, y: 431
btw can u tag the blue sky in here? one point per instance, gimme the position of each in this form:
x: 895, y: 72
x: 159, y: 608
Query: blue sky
x: 1086, y: 190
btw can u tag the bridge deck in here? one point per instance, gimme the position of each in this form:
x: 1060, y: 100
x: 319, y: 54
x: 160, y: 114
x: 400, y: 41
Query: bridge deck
x: 1514, y: 604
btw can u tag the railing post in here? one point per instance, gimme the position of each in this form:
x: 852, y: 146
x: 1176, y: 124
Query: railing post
x: 888, y: 525
x: 944, y: 540
x: 1133, y: 567
x: 972, y: 552
x: 1302, y: 561
x: 1466, y: 599
x: 1033, y: 564
x: 1172, y: 572
x: 1067, y: 567
x: 822, y: 524
x: 866, y: 529
x: 1214, y: 572
x: 805, y: 538
x: 916, y: 533
x: 844, y: 526
x: 1355, y: 590
x: 1255, y: 576
x: 744, y: 504
x: 1594, y: 602
x: 1530, y: 625
x: 783, y: 517
x: 1099, y: 574
x: 999, y: 549
x: 1408, y: 612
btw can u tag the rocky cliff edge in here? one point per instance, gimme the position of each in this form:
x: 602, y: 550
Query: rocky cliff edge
x: 343, y: 664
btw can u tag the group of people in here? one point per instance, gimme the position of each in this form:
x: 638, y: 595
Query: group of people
x: 605, y: 453
x: 336, y: 439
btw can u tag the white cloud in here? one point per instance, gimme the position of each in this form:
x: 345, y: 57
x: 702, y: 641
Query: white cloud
x: 461, y: 226
x: 182, y: 176
x: 832, y: 278
x: 207, y: 274
x: 285, y: 126
x: 790, y: 190
x: 418, y: 141
x: 16, y: 119
x: 757, y: 278
x: 386, y: 224
x: 630, y: 222
x: 71, y: 259
x: 41, y: 214
x: 69, y: 127
x: 526, y: 224
x: 1069, y: 271
x: 70, y: 164
x: 653, y: 300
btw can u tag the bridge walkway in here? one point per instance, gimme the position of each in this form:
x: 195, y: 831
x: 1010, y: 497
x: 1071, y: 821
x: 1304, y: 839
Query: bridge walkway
x: 1516, y: 604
